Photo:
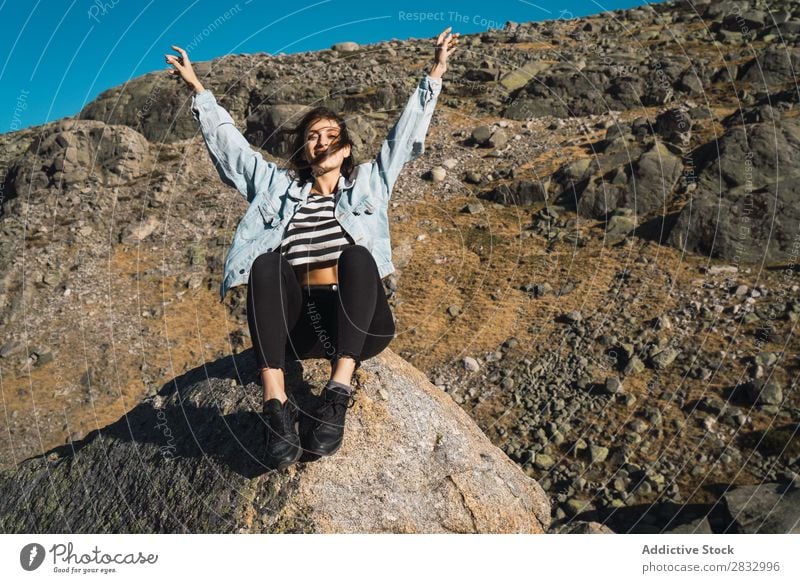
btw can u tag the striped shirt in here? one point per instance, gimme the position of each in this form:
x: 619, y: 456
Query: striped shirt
x: 314, y: 235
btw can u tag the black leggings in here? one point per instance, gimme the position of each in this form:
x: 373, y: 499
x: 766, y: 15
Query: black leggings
x: 288, y: 321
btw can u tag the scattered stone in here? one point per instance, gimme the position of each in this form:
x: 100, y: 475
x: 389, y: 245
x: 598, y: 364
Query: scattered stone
x: 438, y: 173
x: 574, y: 506
x: 634, y: 366
x: 481, y: 134
x: 473, y: 208
x: 764, y: 391
x: 597, y: 453
x: 471, y: 364
x: 345, y: 47
x: 618, y: 228
x: 543, y: 461
x: 473, y: 177
x: 663, y: 359
x: 613, y: 385
x: 11, y: 348
x: 582, y: 527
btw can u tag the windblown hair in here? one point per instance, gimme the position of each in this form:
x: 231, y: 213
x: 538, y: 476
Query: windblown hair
x: 297, y: 164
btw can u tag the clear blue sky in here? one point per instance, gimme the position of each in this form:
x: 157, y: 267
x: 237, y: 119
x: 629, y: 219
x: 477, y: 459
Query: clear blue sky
x: 58, y: 55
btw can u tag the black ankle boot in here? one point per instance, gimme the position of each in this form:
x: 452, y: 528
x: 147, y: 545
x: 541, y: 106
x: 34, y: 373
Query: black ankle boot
x: 325, y: 429
x: 283, y: 442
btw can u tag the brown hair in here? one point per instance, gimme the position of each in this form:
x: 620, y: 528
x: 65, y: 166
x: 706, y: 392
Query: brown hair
x: 298, y: 165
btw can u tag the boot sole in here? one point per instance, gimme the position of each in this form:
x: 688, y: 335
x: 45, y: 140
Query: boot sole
x: 323, y: 453
x: 283, y: 465
x: 298, y: 454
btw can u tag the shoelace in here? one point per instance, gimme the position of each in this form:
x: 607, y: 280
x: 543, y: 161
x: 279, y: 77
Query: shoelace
x: 330, y: 408
x: 283, y: 421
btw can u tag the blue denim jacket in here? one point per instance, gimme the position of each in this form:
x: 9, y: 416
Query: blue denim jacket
x: 361, y: 207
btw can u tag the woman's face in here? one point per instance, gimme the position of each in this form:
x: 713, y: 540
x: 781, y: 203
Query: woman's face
x: 319, y: 137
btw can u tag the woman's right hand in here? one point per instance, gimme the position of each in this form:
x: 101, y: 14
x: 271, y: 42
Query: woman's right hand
x: 183, y: 68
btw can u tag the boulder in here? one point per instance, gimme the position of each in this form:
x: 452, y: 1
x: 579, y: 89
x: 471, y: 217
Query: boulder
x: 70, y: 154
x: 188, y: 459
x: 747, y: 203
x: 519, y: 192
x: 345, y: 47
x: 768, y: 508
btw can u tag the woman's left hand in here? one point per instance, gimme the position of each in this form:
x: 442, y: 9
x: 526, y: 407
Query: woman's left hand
x: 445, y: 46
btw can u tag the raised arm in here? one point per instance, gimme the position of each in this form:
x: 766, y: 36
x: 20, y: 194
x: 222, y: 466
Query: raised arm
x: 237, y: 164
x: 406, y: 139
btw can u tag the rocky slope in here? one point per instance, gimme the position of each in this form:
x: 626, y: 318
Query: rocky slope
x: 597, y: 255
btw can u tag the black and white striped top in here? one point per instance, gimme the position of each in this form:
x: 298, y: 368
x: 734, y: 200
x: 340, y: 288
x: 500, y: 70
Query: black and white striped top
x: 314, y: 235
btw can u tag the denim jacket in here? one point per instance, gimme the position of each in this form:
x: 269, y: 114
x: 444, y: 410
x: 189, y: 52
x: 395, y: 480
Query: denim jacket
x: 363, y: 201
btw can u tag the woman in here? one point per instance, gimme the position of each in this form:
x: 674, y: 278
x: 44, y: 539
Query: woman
x: 312, y: 248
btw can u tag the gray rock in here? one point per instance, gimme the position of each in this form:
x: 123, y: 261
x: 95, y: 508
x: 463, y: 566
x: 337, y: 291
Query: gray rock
x: 345, y: 47
x: 664, y: 358
x: 765, y: 508
x: 543, y: 461
x: 440, y: 474
x: 471, y: 364
x: 473, y: 208
x: 597, y: 453
x: 519, y: 192
x: 774, y: 65
x: 613, y: 385
x: 575, y: 506
x: 521, y: 76
x: 764, y: 391
x: 136, y: 233
x: 11, y: 348
x: 618, y: 228
x: 438, y: 173
x: 582, y: 527
x: 498, y: 140
x: 634, y: 366
x: 736, y: 175
x: 481, y: 134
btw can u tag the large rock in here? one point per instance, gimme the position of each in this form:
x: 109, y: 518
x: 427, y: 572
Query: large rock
x: 151, y: 105
x: 270, y: 127
x: 773, y: 66
x: 519, y: 192
x: 747, y: 203
x: 188, y: 460
x: 70, y: 154
x: 520, y: 77
x: 612, y: 81
x: 768, y: 508
x: 645, y: 184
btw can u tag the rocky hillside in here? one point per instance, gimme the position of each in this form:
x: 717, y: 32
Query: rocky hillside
x: 597, y: 255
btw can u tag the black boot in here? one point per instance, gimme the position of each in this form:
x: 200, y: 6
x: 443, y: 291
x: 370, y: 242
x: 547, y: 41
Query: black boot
x: 325, y: 429
x: 283, y: 441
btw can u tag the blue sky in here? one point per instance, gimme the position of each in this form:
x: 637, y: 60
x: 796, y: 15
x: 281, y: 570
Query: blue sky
x: 58, y: 55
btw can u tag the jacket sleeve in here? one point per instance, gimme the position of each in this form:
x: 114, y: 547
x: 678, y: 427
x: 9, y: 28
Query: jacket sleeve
x: 406, y: 139
x: 236, y: 162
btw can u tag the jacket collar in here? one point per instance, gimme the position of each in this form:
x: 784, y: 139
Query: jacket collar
x: 298, y: 192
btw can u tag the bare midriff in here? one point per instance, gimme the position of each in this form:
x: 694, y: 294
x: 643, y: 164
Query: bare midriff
x: 312, y: 275
x: 320, y: 273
